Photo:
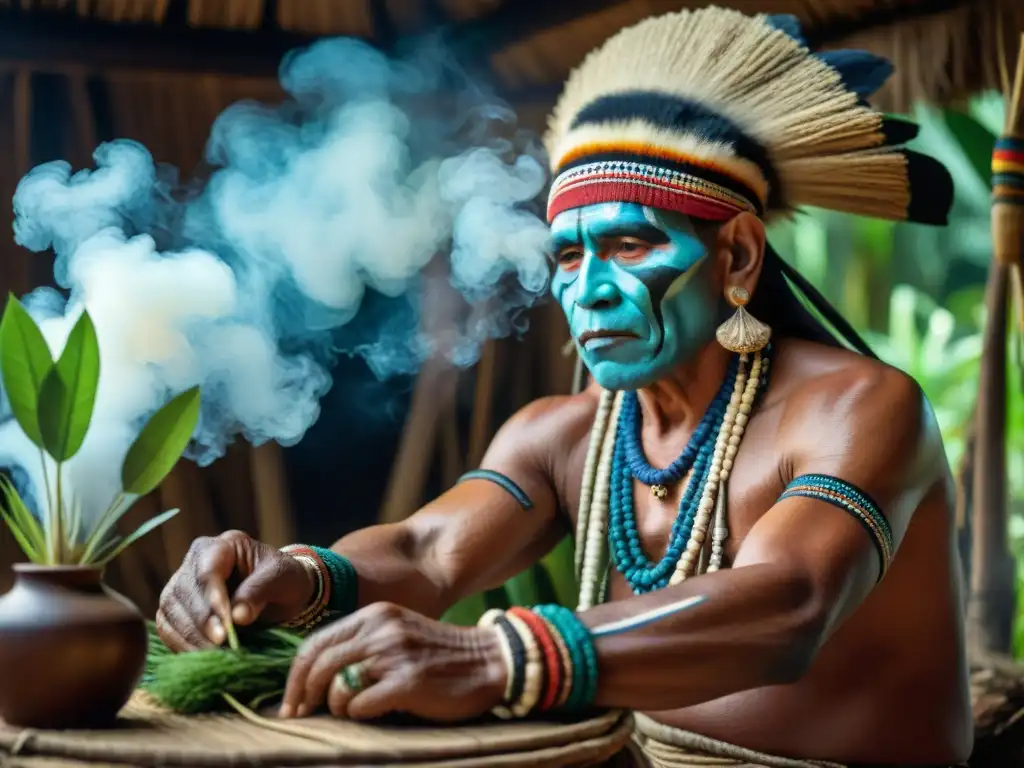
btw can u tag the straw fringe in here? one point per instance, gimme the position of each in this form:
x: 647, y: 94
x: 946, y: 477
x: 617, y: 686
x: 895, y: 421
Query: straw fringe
x: 943, y: 58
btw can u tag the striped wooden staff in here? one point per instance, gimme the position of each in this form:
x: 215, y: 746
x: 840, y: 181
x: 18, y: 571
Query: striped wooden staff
x: 991, y: 608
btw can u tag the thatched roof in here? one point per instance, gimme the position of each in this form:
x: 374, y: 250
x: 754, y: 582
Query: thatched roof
x: 944, y: 49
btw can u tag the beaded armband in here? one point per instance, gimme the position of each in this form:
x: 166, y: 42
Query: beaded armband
x: 851, y: 499
x: 336, y: 590
x: 500, y: 480
x: 550, y: 658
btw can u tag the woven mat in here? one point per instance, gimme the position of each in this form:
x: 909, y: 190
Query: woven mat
x: 148, y: 736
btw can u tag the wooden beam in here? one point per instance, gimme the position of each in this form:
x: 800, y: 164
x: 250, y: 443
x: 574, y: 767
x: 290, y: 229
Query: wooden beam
x: 57, y: 42
x: 514, y: 21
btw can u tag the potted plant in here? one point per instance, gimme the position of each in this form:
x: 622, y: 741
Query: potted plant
x: 71, y: 649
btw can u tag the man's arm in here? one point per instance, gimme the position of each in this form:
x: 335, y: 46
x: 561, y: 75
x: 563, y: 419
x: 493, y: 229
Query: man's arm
x: 803, y: 567
x: 475, y: 536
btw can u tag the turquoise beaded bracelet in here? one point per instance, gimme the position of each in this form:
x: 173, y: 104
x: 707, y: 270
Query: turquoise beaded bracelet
x: 344, y: 581
x: 582, y: 654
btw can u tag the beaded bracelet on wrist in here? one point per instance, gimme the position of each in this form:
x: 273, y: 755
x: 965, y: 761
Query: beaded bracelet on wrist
x: 582, y: 654
x: 316, y: 611
x: 344, y: 581
x: 515, y: 660
x: 566, y: 665
x: 552, y: 675
x: 550, y: 659
x: 337, y: 586
x: 533, y: 684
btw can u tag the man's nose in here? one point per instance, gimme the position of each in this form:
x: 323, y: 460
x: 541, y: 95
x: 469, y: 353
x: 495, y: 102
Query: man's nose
x: 596, y: 284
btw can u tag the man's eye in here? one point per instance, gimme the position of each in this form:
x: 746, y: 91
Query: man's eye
x: 569, y: 257
x: 632, y: 247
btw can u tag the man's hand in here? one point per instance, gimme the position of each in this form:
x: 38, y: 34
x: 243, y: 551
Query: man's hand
x: 408, y: 663
x: 196, y: 603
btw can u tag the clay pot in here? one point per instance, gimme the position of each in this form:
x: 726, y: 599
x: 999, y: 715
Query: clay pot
x: 71, y: 650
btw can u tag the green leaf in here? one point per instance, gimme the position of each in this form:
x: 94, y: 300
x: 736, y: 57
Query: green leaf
x: 23, y: 524
x: 497, y: 598
x: 97, y: 537
x: 141, y: 531
x: 976, y: 141
x: 160, y: 443
x: 522, y: 589
x: 24, y: 362
x: 466, y: 612
x: 546, y: 592
x: 560, y: 566
x: 68, y: 393
x: 21, y: 537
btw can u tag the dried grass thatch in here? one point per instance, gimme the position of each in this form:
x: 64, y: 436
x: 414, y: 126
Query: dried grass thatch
x: 944, y: 49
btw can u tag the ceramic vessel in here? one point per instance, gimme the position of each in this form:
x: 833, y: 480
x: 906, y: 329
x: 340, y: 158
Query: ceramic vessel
x: 71, y: 650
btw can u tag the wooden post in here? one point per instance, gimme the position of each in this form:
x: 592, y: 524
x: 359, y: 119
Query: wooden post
x: 992, y: 603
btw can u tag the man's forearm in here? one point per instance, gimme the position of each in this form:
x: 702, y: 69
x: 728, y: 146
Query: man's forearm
x: 756, y: 626
x: 395, y: 566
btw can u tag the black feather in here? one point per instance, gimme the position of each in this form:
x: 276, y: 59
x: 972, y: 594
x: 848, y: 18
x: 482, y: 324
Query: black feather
x: 862, y: 72
x: 931, y: 189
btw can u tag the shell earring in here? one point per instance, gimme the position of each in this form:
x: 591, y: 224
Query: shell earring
x: 742, y: 333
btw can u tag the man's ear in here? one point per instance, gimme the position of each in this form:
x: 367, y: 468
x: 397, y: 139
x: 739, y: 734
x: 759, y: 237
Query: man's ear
x: 740, y: 247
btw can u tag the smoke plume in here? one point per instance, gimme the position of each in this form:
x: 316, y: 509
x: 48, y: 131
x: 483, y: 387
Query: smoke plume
x: 398, y: 177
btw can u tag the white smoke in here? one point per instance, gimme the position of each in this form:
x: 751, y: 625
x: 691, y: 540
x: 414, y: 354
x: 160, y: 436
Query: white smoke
x: 368, y: 173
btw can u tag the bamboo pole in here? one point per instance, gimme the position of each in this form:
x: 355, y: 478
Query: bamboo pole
x: 992, y: 601
x: 990, y: 611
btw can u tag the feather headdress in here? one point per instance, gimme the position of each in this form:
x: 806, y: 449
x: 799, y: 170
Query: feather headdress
x: 711, y: 112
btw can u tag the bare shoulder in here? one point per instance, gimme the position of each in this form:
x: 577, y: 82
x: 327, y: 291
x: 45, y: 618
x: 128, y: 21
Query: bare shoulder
x: 839, y: 402
x: 548, y: 428
x: 830, y: 375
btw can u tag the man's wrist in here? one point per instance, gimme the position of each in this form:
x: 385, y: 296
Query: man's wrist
x: 495, y: 665
x: 314, y: 608
x: 312, y: 573
x: 344, y: 582
x: 335, y: 585
x: 549, y: 659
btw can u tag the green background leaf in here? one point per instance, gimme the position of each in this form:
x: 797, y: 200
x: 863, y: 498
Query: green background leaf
x: 160, y: 443
x: 68, y: 393
x: 976, y: 141
x: 24, y: 362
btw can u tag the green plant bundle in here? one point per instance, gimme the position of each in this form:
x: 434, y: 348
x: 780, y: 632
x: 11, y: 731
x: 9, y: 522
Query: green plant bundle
x: 206, y: 681
x: 53, y: 402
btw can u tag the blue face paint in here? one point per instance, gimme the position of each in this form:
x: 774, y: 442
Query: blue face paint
x: 636, y: 288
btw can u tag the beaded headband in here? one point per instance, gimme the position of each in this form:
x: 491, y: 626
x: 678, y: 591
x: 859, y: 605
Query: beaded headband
x: 711, y: 113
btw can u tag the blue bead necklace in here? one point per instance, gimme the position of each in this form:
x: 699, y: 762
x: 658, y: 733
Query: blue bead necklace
x: 629, y: 462
x: 660, y: 479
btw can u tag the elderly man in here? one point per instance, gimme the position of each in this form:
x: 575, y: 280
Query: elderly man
x: 767, y: 566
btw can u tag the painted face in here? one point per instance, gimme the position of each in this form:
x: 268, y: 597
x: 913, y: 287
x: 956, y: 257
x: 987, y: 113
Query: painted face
x: 636, y: 288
